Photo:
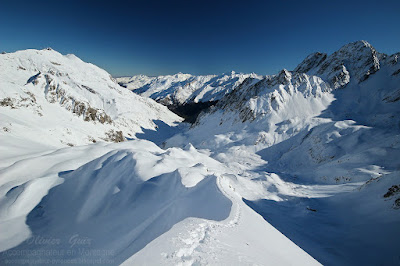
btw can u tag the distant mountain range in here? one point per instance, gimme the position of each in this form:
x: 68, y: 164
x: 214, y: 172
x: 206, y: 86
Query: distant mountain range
x: 354, y: 62
x: 182, y: 89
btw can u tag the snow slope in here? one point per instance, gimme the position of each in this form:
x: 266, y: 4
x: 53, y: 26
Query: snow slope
x: 181, y: 88
x: 70, y: 102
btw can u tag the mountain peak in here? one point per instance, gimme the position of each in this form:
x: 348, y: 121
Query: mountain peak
x: 284, y: 75
x: 357, y: 47
x: 357, y: 60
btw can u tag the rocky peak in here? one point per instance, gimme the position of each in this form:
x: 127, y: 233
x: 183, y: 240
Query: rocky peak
x: 284, y: 76
x: 357, y: 60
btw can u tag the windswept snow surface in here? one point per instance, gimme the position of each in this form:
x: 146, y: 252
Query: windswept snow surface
x: 103, y: 203
x: 284, y: 169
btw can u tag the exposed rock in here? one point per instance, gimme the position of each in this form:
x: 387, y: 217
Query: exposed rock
x: 393, y: 190
x: 114, y: 136
x: 89, y: 89
x: 7, y: 102
x: 79, y: 108
x: 396, y: 204
x: 310, y: 209
x: 392, y: 97
x: 55, y: 93
x: 396, y: 72
x: 90, y: 114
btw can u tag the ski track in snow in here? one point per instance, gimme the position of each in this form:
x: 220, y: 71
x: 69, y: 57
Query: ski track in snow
x: 204, y: 233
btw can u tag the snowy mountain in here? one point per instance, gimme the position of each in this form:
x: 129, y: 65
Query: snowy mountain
x: 182, y: 89
x: 325, y: 139
x: 70, y: 102
x: 63, y: 201
x: 358, y: 60
x: 297, y: 168
x: 279, y: 106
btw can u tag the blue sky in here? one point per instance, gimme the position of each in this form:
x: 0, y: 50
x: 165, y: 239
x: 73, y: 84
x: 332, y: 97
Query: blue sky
x: 198, y: 37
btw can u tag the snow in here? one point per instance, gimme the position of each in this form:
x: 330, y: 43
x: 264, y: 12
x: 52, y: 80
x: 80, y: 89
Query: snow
x: 113, y: 190
x: 223, y: 243
x: 298, y: 168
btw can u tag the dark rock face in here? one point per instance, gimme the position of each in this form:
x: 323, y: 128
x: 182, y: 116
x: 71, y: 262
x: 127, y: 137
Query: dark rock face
x: 396, y: 72
x: 393, y: 190
x: 190, y: 111
x: 396, y: 204
x: 7, y: 102
x: 15, y: 103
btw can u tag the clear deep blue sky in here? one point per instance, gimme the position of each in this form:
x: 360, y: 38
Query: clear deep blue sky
x: 198, y: 37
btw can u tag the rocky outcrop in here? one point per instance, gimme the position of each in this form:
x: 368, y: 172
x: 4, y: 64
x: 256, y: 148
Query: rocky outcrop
x: 114, y: 136
x: 55, y: 93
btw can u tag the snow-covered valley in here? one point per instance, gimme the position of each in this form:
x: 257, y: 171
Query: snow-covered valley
x: 297, y: 168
